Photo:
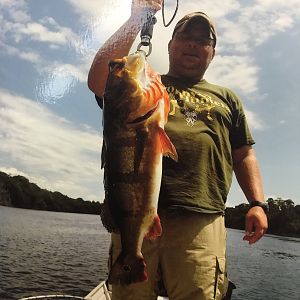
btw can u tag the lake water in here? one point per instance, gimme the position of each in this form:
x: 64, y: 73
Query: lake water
x: 47, y: 252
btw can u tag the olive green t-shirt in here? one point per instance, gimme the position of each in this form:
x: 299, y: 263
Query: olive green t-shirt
x: 206, y: 122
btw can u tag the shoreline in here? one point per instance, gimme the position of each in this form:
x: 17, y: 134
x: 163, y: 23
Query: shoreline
x: 275, y: 234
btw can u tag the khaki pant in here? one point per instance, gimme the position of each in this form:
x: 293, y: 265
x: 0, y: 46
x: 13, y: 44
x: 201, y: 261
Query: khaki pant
x: 189, y: 258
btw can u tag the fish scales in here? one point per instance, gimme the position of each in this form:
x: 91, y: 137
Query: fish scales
x: 136, y: 106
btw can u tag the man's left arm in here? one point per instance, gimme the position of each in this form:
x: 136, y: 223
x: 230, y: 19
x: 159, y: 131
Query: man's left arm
x: 247, y: 172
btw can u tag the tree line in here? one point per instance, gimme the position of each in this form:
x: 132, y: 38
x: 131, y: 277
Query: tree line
x: 283, y: 217
x: 17, y: 191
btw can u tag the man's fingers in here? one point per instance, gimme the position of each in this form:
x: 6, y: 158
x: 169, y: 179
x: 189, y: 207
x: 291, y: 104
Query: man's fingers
x: 256, y: 225
x: 249, y: 228
x: 248, y: 236
x: 253, y: 237
x: 256, y: 236
x: 153, y: 4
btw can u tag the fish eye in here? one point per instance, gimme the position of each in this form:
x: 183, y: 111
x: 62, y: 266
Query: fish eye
x: 115, y: 65
x: 126, y: 268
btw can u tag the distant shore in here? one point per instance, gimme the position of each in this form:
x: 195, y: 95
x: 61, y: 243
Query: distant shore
x: 17, y: 191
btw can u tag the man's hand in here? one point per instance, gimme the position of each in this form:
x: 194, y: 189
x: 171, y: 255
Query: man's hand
x: 256, y: 224
x: 139, y: 7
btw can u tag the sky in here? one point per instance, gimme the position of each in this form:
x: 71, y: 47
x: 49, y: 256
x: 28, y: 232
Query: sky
x: 51, y: 126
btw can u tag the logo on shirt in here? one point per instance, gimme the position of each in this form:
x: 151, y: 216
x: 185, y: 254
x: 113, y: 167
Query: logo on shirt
x: 190, y: 118
x: 193, y: 105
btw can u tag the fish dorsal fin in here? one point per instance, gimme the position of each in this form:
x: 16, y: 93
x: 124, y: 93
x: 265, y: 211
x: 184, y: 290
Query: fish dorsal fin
x: 168, y: 149
x: 107, y: 218
x: 103, y: 155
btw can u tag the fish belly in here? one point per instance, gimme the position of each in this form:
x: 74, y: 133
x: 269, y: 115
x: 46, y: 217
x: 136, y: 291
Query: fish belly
x: 133, y: 175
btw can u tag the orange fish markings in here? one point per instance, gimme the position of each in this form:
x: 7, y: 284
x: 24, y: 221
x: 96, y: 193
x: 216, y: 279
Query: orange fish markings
x: 136, y: 107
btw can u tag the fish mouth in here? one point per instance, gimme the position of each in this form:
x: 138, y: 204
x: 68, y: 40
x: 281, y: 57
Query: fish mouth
x: 116, y: 64
x: 135, y: 62
x: 143, y: 117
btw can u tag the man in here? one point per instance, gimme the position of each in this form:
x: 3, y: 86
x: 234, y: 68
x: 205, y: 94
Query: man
x: 209, y: 130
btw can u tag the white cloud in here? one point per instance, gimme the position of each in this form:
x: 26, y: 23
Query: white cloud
x: 264, y: 19
x: 13, y: 171
x: 38, y: 32
x: 12, y: 4
x: 56, y: 154
x: 18, y: 15
x: 278, y: 5
x: 56, y: 77
x: 254, y: 121
x: 18, y: 36
x: 283, y: 22
x: 102, y: 10
x: 46, y: 30
x: 24, y: 54
x: 236, y: 72
x: 19, y: 25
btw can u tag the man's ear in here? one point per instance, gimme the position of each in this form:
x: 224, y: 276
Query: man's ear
x: 213, y: 54
x: 169, y: 45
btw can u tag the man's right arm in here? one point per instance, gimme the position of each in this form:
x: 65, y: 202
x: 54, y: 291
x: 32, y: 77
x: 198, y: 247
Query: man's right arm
x: 119, y: 44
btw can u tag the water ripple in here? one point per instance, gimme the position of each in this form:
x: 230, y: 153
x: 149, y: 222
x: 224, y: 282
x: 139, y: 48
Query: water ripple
x: 46, y: 252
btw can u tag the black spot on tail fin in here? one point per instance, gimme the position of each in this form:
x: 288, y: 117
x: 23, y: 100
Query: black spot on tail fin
x: 127, y: 269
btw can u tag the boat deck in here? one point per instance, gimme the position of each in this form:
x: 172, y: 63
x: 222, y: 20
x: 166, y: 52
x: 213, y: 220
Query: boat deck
x: 100, y: 292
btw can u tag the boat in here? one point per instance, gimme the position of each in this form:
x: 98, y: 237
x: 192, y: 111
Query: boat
x: 100, y: 292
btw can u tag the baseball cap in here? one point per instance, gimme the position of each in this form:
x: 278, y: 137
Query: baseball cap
x: 182, y: 23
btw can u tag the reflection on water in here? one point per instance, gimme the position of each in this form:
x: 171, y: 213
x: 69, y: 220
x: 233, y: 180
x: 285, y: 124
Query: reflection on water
x: 280, y: 255
x: 268, y: 269
x: 284, y: 238
x: 46, y: 252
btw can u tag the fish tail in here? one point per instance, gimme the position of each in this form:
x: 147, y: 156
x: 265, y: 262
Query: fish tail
x: 128, y: 268
x: 155, y: 229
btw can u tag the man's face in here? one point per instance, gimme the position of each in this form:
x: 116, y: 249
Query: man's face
x: 191, y: 51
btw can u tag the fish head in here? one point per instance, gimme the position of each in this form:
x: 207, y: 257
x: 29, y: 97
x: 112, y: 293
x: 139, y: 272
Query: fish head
x: 132, y: 90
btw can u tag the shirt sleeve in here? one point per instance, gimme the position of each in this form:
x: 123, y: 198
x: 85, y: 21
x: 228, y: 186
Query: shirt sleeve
x: 240, y: 134
x: 99, y: 100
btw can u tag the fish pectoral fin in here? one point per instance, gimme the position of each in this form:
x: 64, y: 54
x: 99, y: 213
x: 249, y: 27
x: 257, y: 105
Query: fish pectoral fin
x: 155, y: 229
x: 168, y: 148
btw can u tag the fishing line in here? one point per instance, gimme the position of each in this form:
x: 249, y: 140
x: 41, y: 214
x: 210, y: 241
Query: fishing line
x: 147, y: 28
x: 163, y: 13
